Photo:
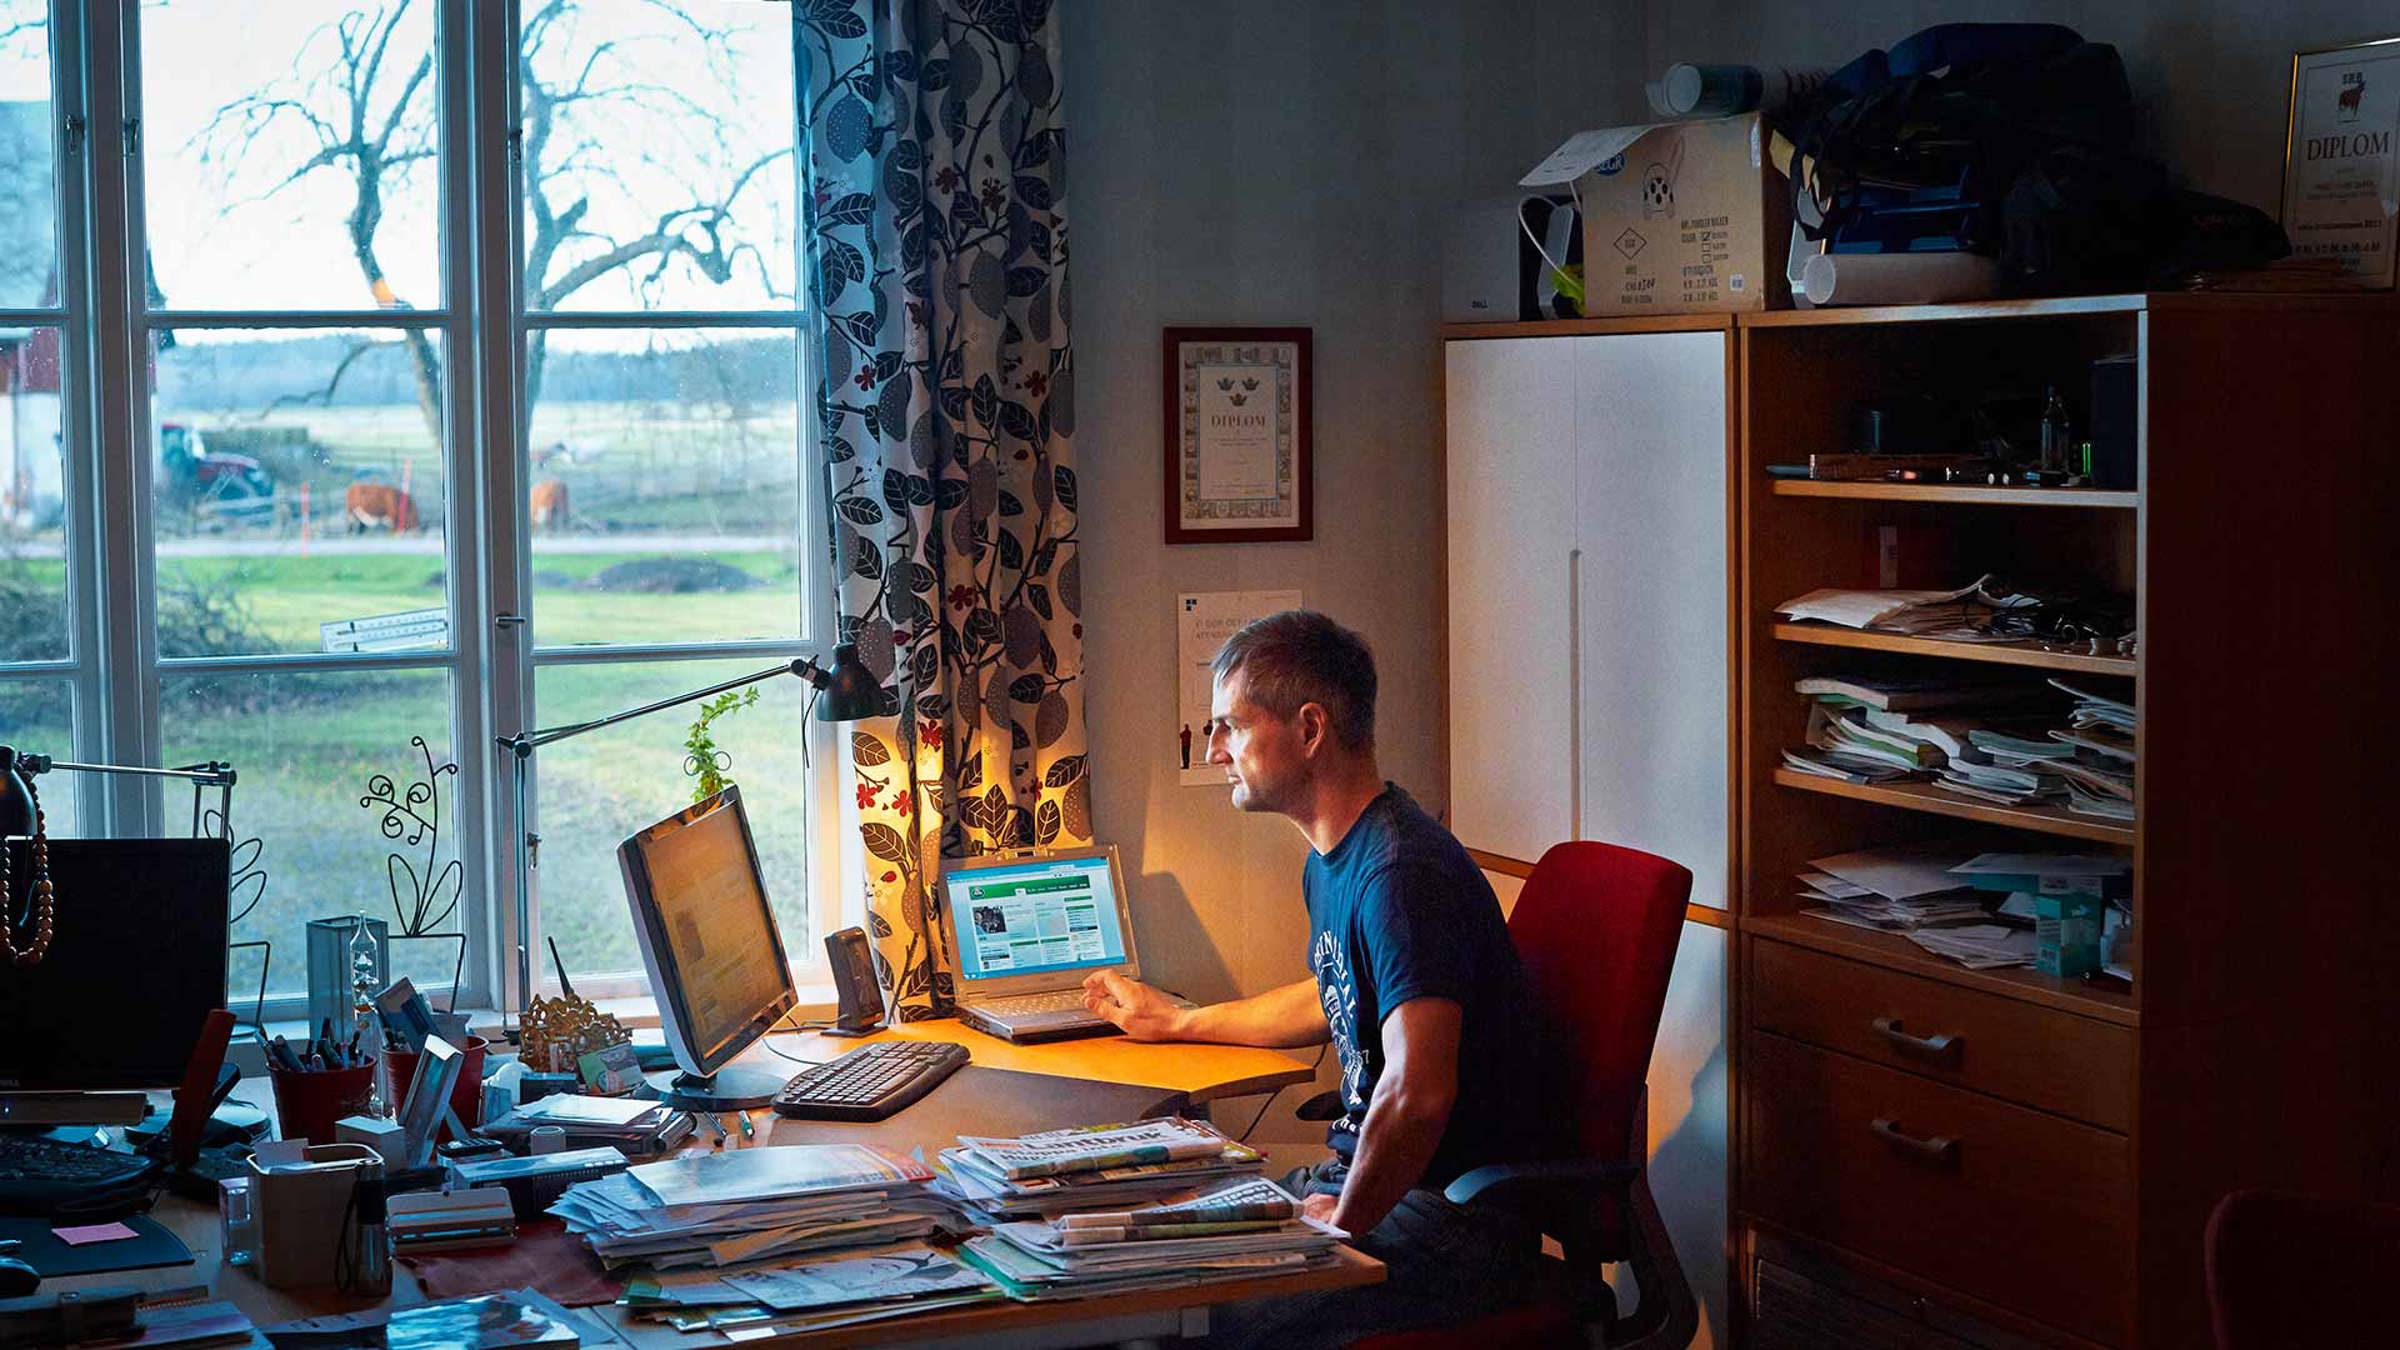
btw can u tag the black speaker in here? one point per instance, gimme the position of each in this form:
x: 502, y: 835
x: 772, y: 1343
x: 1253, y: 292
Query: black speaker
x: 858, y: 997
x: 2116, y: 421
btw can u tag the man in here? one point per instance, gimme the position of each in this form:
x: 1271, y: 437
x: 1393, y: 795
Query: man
x: 1415, y: 984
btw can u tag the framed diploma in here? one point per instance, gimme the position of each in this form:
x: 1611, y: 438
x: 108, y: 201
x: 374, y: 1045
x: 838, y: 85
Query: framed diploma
x: 2341, y: 161
x: 1237, y: 435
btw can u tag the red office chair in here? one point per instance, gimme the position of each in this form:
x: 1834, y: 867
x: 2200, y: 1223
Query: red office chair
x: 1596, y: 927
x: 2288, y: 1271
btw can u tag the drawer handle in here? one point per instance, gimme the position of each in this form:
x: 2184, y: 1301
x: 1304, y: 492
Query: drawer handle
x: 1941, y: 1049
x: 1941, y: 1150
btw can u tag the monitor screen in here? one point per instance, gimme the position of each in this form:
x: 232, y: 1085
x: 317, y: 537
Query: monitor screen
x: 709, y: 939
x: 1035, y: 917
x: 136, y: 964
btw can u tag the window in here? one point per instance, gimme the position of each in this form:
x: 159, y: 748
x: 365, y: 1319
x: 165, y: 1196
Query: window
x: 468, y: 402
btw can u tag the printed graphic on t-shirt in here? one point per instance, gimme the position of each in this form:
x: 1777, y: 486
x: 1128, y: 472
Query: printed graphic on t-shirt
x: 1339, y: 993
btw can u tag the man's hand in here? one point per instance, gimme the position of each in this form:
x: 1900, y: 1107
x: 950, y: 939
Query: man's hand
x: 1320, y: 1207
x: 1140, y: 1011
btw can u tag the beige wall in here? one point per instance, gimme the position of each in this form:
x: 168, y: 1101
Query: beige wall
x: 1275, y: 163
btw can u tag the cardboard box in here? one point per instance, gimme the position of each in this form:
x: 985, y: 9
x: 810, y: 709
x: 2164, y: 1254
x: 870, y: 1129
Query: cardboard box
x: 1678, y: 217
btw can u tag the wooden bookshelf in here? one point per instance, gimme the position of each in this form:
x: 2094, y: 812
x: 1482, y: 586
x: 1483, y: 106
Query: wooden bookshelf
x: 2249, y: 1051
x: 1927, y: 798
x: 1961, y: 494
x: 1992, y: 653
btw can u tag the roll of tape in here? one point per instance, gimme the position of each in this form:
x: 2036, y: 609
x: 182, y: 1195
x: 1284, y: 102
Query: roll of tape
x: 547, y: 1139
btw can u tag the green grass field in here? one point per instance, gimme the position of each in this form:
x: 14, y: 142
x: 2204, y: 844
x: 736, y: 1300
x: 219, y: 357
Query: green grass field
x: 306, y: 745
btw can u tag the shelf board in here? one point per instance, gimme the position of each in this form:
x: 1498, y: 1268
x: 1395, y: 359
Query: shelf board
x: 1921, y: 797
x: 1963, y: 493
x: 1996, y: 653
x: 1894, y: 952
x: 2046, y: 307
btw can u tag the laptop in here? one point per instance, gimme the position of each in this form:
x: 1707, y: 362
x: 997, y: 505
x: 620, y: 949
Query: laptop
x: 1027, y: 931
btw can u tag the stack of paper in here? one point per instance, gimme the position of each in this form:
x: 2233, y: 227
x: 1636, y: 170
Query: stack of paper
x: 720, y: 1209
x: 1245, y: 1227
x: 2100, y: 774
x: 1893, y: 890
x: 1979, y: 946
x: 1051, y: 1173
x: 777, y: 1299
x: 635, y: 1127
x: 1963, y: 615
x: 1867, y: 729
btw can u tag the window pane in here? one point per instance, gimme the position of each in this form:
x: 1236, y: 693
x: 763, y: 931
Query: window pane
x: 598, y: 788
x: 28, y: 160
x: 658, y: 167
x: 307, y: 749
x: 35, y: 717
x: 298, y: 491
x: 666, y: 486
x: 255, y: 176
x: 33, y: 495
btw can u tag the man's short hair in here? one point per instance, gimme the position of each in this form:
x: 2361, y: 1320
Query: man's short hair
x: 1301, y: 656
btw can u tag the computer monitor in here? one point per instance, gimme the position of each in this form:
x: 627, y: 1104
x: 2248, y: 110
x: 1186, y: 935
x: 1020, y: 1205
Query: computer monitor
x: 709, y: 941
x: 136, y: 964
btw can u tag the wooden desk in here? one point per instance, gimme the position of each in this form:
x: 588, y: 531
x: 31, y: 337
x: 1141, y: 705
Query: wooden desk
x: 1006, y: 1089
x: 1200, y: 1073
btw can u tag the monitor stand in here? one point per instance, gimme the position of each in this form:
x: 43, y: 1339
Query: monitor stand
x: 732, y: 1088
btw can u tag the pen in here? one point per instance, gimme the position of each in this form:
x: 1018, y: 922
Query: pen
x: 748, y: 1131
x: 716, y: 1127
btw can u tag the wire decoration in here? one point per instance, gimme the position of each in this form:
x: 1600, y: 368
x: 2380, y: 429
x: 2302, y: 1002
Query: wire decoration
x: 423, y: 898
x: 247, y: 886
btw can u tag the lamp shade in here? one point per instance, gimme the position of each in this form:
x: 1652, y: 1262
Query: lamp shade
x: 851, y: 691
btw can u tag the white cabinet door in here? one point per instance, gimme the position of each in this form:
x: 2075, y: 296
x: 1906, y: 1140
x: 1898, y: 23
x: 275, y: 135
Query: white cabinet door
x: 1511, y: 530
x: 1652, y: 711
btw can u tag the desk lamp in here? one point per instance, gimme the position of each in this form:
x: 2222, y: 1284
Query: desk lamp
x: 847, y: 693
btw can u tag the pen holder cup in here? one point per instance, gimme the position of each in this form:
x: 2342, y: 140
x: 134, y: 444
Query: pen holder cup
x: 466, y: 1097
x: 307, y: 1104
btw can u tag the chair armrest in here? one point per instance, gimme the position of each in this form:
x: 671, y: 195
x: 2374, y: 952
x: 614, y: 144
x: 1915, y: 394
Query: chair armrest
x: 1510, y: 1179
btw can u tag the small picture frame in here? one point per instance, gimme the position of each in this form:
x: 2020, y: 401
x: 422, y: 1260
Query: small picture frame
x: 1236, y: 435
x: 611, y: 1070
x: 2341, y: 160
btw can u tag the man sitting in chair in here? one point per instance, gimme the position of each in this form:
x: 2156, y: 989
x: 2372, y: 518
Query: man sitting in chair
x: 1416, y: 984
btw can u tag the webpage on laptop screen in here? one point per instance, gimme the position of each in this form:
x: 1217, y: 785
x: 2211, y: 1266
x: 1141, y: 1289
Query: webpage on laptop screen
x: 1051, y: 915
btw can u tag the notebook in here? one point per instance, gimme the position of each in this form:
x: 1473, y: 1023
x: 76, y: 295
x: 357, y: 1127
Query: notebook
x: 1028, y: 931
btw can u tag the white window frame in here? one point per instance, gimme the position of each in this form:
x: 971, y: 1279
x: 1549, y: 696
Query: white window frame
x: 490, y: 662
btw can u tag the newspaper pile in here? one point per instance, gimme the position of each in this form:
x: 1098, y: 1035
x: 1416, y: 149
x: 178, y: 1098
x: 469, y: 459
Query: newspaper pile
x: 1242, y: 1228
x: 784, y: 1298
x: 724, y: 1209
x: 1041, y: 1175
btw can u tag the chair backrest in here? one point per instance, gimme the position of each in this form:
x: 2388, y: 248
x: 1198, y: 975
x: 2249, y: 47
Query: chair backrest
x: 2290, y: 1270
x: 1596, y: 927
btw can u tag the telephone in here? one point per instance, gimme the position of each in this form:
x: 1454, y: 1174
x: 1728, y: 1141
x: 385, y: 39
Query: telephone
x: 858, y: 998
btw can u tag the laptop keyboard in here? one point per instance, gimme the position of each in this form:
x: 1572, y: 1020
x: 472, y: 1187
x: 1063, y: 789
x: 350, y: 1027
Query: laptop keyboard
x: 1026, y: 1005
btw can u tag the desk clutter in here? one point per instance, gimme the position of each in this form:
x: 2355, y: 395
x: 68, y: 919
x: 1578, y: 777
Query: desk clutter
x: 2064, y: 914
x: 2006, y: 741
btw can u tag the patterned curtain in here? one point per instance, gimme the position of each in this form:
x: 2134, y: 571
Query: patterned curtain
x: 936, y: 265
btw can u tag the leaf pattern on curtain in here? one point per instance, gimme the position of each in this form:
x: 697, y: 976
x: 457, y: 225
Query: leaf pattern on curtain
x: 936, y: 249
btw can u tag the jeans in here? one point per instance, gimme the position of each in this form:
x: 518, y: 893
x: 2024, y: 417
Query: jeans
x: 1444, y: 1264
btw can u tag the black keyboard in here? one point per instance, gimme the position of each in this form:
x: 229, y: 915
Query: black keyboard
x: 871, y: 1082
x: 39, y: 1174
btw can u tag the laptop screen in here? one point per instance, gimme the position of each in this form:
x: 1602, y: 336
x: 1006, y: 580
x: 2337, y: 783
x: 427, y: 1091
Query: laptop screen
x: 1035, y: 917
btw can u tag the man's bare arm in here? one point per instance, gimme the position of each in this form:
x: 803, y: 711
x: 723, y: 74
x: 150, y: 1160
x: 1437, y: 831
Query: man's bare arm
x: 1289, y: 1016
x: 1409, y: 1111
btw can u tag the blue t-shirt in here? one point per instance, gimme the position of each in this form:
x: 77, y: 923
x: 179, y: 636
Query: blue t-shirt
x: 1398, y: 911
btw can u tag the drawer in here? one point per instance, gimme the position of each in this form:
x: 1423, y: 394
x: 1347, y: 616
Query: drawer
x: 2019, y: 1051
x: 2017, y: 1208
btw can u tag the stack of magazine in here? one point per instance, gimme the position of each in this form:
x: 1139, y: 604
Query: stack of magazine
x: 1040, y: 1175
x: 1242, y: 1228
x: 815, y: 1295
x: 723, y: 1209
x: 634, y: 1127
